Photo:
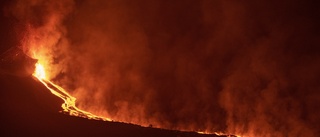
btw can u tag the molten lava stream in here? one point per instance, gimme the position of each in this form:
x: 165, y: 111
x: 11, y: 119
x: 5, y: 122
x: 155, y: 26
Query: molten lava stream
x: 69, y: 105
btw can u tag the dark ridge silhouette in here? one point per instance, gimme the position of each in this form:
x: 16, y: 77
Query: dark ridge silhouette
x: 15, y: 62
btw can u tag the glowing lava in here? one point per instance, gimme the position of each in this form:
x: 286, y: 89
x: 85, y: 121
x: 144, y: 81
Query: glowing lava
x: 69, y: 105
x: 69, y: 101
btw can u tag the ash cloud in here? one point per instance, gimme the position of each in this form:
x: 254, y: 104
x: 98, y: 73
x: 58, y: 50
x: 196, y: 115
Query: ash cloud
x: 249, y: 68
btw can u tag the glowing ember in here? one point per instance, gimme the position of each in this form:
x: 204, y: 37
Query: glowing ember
x: 69, y: 101
x: 218, y: 133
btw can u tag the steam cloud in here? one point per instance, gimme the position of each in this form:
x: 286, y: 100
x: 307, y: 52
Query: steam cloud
x: 249, y: 68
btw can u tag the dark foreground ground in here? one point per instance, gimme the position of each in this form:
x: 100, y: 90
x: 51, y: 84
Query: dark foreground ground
x: 29, y: 109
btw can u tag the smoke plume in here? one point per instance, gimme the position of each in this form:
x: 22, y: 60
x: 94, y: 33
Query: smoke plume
x: 248, y: 68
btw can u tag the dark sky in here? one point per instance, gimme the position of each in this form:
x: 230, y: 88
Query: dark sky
x: 7, y: 36
x: 244, y: 67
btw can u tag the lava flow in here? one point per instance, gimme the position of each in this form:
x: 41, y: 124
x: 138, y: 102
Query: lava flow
x: 69, y: 105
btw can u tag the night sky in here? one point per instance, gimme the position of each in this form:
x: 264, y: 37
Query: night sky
x: 243, y: 67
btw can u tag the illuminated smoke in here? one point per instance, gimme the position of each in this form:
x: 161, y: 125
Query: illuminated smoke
x: 245, y: 68
x: 43, y: 30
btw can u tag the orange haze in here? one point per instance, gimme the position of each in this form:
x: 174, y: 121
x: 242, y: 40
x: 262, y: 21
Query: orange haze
x: 248, y: 68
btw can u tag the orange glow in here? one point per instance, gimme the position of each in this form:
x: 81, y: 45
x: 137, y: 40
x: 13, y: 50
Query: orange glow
x: 69, y: 101
x: 39, y: 72
x: 41, y: 43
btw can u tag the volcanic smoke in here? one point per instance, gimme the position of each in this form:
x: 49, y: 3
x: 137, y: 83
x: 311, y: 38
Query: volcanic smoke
x: 246, y: 68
